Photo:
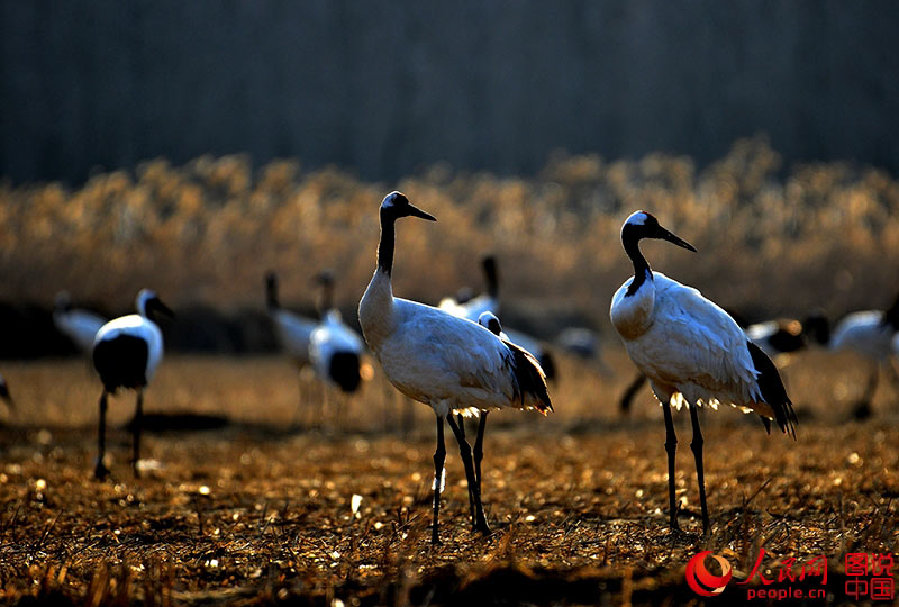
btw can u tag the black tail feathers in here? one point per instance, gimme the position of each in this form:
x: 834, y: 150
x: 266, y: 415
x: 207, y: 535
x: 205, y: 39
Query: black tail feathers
x: 773, y: 391
x: 530, y: 378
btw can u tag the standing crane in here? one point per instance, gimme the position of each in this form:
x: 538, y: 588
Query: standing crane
x: 692, y: 352
x: 870, y: 334
x: 126, y: 352
x: 453, y: 365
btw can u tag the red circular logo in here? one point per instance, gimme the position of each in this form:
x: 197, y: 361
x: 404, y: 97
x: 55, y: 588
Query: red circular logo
x: 702, y: 581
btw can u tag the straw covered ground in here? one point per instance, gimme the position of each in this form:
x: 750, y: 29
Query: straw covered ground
x: 251, y: 499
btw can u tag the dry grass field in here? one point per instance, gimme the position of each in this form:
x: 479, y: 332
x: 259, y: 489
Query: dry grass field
x: 260, y: 509
x: 253, y: 494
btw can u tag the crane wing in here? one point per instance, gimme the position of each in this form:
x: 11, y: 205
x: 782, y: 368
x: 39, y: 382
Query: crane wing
x: 433, y: 356
x: 693, y: 341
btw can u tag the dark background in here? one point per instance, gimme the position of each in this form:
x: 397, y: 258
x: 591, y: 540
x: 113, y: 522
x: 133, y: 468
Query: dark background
x: 384, y: 89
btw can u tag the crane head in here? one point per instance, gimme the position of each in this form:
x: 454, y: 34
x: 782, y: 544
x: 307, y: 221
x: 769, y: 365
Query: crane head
x: 644, y: 225
x: 396, y: 205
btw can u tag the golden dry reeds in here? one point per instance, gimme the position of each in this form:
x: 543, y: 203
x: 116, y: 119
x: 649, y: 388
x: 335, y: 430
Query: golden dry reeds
x: 772, y: 239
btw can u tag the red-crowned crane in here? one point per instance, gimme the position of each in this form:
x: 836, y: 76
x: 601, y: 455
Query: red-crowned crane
x: 788, y: 335
x: 692, y: 352
x: 870, y: 334
x: 451, y: 364
x: 335, y: 350
x: 472, y: 309
x: 294, y: 332
x: 126, y: 352
x: 78, y: 325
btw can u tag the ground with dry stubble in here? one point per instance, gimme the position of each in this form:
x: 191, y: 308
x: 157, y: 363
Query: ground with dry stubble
x: 258, y: 509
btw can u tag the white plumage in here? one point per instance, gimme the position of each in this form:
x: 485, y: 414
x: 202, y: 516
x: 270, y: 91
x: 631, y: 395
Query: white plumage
x: 489, y: 321
x: 485, y: 302
x: 138, y: 326
x: 787, y: 335
x: 335, y: 351
x: 449, y: 363
x: 687, y: 345
x: 294, y: 332
x: 691, y: 350
x: 765, y: 335
x: 80, y: 326
x: 126, y: 352
x: 866, y: 333
x: 872, y: 334
x: 473, y: 308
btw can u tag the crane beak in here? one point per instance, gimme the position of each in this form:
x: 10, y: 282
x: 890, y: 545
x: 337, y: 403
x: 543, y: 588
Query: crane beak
x: 414, y: 211
x: 666, y: 235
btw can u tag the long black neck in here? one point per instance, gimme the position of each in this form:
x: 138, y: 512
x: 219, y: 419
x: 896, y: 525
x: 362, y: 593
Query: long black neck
x: 491, y: 276
x: 271, y: 293
x: 327, y: 297
x: 641, y: 266
x: 385, y: 248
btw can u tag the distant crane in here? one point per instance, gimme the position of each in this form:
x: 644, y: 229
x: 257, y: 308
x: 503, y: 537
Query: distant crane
x: 331, y: 349
x: 294, y: 332
x: 335, y: 349
x: 472, y: 308
x: 451, y: 364
x: 580, y: 341
x: 692, y: 352
x: 126, y: 352
x: 870, y: 334
x: 78, y: 325
x: 788, y: 335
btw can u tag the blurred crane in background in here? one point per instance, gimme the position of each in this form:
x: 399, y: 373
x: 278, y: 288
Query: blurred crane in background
x: 126, y: 352
x: 489, y: 302
x: 78, y: 325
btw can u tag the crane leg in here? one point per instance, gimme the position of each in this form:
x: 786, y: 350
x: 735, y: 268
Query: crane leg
x: 627, y: 398
x: 479, y: 448
x: 477, y: 520
x: 101, y: 471
x: 138, y: 424
x: 862, y: 408
x: 696, y: 447
x: 670, y: 448
x: 464, y: 450
x: 439, y: 460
